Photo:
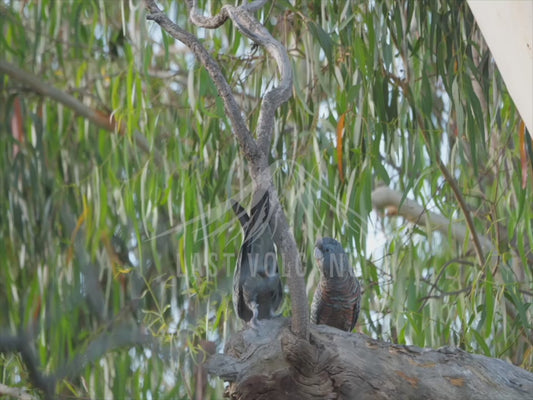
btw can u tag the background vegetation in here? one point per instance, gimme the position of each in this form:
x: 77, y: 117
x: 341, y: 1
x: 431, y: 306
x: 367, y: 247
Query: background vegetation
x: 117, y: 241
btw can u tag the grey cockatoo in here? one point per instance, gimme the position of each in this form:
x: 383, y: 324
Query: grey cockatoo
x: 337, y: 297
x: 257, y: 289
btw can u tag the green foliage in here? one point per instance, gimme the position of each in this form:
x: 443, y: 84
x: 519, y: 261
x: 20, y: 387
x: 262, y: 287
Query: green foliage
x: 99, y: 232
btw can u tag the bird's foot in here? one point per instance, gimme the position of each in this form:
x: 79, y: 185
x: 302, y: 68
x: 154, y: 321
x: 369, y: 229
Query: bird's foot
x: 254, y: 322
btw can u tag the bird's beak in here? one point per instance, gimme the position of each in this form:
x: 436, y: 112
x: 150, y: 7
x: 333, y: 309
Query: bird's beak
x: 318, y: 252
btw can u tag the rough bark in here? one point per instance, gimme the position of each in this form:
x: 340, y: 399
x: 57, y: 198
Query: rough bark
x: 272, y: 363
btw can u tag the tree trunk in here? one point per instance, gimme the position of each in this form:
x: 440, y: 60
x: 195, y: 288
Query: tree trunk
x: 271, y: 363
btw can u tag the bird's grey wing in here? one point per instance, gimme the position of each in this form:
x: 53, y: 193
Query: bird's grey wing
x: 245, y: 270
x: 258, y: 221
x: 240, y: 212
x: 261, y: 208
x: 242, y: 269
x: 257, y: 260
x: 258, y: 240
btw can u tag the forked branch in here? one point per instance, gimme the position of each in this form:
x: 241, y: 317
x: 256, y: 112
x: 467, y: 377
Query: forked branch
x: 255, y: 152
x: 248, y: 25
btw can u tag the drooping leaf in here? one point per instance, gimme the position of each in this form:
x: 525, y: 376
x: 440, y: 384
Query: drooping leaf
x: 340, y: 139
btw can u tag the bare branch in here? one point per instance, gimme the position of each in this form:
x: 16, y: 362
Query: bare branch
x: 17, y: 393
x: 100, y: 119
x: 121, y: 336
x: 219, y: 19
x: 252, y: 29
x: 22, y: 343
x: 244, y: 137
x: 383, y: 197
x: 254, y: 153
x: 206, y: 22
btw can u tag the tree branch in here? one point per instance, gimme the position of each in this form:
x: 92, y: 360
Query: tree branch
x: 246, y: 142
x: 37, y: 84
x: 17, y: 393
x: 254, y: 153
x: 99, y: 118
x: 22, y: 343
x: 275, y: 97
x: 434, y: 285
x: 383, y: 197
x: 462, y: 204
x: 343, y: 365
x: 253, y: 30
x: 203, y: 21
x: 118, y: 337
x: 447, y: 176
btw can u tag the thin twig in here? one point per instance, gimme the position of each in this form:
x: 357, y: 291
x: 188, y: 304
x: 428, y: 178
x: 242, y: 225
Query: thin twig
x: 460, y: 199
x: 440, y: 275
x: 444, y: 294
